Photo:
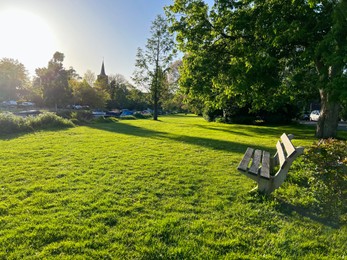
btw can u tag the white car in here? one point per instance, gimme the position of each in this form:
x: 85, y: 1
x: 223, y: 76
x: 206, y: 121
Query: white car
x: 314, y: 115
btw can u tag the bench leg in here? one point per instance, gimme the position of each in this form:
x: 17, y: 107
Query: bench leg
x: 265, y: 185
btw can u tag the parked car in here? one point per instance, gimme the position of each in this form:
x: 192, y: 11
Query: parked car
x: 314, y: 115
x: 126, y: 112
x: 9, y: 103
x: 77, y: 107
x: 112, y: 114
x: 305, y: 116
x: 98, y: 112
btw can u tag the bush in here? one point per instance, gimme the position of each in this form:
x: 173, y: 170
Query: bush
x: 130, y: 117
x: 48, y: 120
x: 141, y: 116
x: 102, y: 119
x: 11, y: 124
x: 320, y: 178
x: 210, y: 114
x: 243, y: 119
x: 77, y: 117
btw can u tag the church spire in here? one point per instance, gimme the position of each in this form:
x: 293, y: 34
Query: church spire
x: 102, y: 73
x: 102, y: 78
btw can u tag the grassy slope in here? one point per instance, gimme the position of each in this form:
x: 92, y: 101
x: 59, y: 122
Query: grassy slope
x: 145, y: 189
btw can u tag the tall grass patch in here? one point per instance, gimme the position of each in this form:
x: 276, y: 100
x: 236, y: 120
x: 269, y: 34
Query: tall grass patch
x: 12, y: 124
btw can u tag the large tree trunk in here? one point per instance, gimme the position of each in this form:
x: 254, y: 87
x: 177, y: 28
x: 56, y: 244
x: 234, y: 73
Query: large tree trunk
x: 329, y: 117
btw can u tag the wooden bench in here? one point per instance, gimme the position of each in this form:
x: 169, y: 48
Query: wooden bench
x: 269, y: 172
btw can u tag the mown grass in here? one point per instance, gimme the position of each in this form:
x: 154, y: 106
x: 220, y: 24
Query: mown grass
x: 142, y: 189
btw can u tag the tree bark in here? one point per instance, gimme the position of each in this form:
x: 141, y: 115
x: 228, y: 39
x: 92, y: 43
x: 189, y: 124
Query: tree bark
x: 329, y: 117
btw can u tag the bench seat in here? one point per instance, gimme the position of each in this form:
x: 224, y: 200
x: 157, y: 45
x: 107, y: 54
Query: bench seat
x: 259, y: 166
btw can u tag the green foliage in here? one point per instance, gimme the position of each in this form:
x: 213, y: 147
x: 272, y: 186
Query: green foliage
x: 104, y: 120
x: 320, y: 176
x: 13, y: 79
x: 12, y: 124
x: 144, y: 189
x: 262, y: 54
x: 153, y: 62
x: 54, y: 82
x: 129, y: 117
x: 141, y: 116
x: 210, y: 114
x: 48, y: 120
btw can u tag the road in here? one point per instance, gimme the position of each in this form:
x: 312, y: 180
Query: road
x: 342, y: 125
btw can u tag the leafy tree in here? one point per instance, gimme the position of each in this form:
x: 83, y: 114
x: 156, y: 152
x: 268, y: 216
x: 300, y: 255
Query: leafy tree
x: 13, y: 79
x: 263, y: 54
x: 137, y: 99
x: 53, y: 81
x: 84, y: 94
x: 171, y: 97
x: 118, y: 91
x: 90, y: 77
x: 152, y: 63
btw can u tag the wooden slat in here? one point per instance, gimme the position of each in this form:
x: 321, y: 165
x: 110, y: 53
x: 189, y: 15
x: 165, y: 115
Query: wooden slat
x: 280, y: 154
x: 246, y: 159
x: 290, y: 149
x: 256, y: 162
x: 265, y: 165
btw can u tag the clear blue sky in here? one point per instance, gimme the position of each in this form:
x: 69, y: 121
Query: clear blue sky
x: 86, y: 31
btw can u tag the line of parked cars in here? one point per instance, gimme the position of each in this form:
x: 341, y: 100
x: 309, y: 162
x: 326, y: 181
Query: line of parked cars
x: 120, y: 113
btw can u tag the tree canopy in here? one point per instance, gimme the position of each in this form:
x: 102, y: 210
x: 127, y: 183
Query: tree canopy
x: 152, y: 63
x: 53, y: 81
x: 13, y: 79
x: 263, y: 54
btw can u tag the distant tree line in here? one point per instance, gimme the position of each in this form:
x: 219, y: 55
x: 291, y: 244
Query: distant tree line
x: 56, y: 87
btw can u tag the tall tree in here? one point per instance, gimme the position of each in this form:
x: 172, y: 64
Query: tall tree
x: 90, y: 77
x: 152, y: 63
x: 118, y: 91
x: 13, y: 79
x: 264, y: 53
x: 84, y: 94
x: 53, y: 81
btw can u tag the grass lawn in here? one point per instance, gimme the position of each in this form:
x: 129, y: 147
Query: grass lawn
x: 142, y: 189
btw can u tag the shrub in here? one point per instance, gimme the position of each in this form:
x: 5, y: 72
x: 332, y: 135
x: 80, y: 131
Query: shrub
x: 320, y: 177
x: 130, y: 117
x: 141, y: 116
x: 78, y: 116
x: 210, y: 114
x: 48, y: 120
x: 102, y: 119
x: 10, y: 123
x: 82, y: 116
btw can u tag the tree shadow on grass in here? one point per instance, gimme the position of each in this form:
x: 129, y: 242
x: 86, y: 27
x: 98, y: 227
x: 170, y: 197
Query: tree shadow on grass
x: 330, y: 219
x: 206, y: 142
x: 6, y: 137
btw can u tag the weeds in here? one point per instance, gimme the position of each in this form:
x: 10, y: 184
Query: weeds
x: 12, y: 124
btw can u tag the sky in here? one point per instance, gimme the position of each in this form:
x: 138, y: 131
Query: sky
x: 85, y: 31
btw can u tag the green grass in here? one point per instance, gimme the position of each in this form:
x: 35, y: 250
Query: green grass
x: 142, y: 189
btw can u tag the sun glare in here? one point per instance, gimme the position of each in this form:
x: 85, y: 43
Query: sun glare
x: 27, y: 38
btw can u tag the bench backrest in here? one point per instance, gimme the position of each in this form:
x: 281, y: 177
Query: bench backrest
x: 285, y: 150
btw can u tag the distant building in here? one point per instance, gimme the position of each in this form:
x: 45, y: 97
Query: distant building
x: 102, y: 79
